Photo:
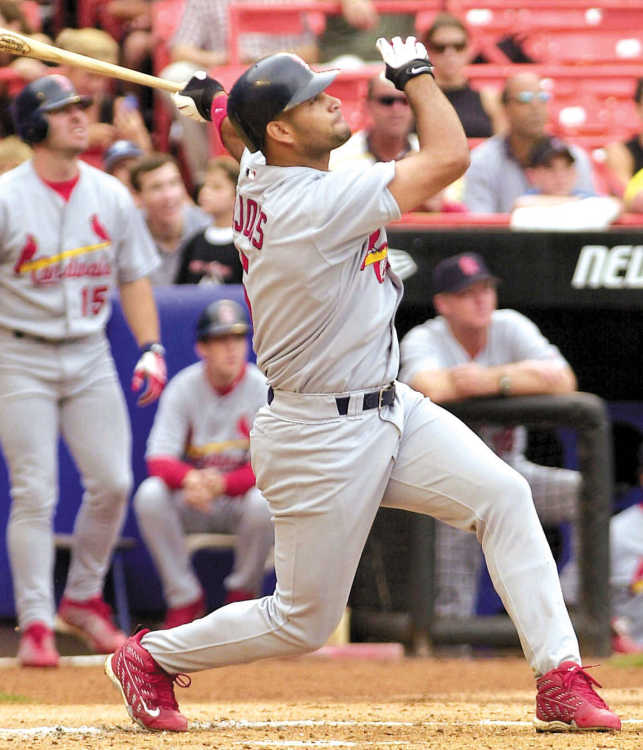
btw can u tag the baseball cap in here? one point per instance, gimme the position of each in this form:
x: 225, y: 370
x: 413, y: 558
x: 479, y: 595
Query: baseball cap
x: 547, y: 149
x: 118, y: 151
x: 221, y: 318
x: 457, y: 272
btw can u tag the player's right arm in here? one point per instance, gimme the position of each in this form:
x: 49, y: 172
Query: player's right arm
x: 444, y: 153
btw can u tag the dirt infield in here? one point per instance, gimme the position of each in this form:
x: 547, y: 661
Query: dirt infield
x: 468, y: 704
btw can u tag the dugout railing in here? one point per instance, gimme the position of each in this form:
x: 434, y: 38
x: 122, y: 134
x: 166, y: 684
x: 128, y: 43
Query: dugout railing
x: 586, y: 416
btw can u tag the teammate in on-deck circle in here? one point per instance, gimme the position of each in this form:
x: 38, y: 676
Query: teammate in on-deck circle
x: 200, y: 475
x: 69, y: 235
x: 339, y: 436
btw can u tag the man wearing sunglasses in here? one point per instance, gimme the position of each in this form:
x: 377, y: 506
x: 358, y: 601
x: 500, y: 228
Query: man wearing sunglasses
x: 498, y: 171
x: 388, y: 135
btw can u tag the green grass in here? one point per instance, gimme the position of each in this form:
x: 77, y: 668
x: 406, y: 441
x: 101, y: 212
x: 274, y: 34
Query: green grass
x: 13, y: 698
x: 626, y: 660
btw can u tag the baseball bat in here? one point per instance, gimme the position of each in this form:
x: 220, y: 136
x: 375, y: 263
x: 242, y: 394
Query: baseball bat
x: 17, y: 44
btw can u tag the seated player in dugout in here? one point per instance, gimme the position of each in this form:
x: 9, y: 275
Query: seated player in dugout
x: 472, y: 349
x: 200, y: 478
x: 339, y: 436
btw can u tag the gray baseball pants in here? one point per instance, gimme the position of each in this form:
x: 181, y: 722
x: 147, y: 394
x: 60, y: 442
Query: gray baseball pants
x: 69, y: 388
x: 325, y: 477
x: 164, y: 519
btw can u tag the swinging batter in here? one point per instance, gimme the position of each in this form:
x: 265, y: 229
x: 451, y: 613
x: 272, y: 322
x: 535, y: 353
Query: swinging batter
x: 339, y: 437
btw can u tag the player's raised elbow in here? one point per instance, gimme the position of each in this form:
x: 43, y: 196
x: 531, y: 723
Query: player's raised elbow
x: 443, y: 167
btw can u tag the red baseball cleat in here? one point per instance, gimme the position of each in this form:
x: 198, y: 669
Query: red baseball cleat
x: 176, y: 616
x: 90, y: 620
x: 37, y: 647
x: 148, y: 690
x: 566, y: 701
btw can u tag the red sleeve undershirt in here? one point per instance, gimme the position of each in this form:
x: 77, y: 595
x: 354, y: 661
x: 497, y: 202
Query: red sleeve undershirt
x: 172, y: 471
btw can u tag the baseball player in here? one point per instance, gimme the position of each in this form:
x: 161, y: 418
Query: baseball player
x: 339, y: 437
x: 473, y: 349
x: 69, y: 234
x: 200, y: 474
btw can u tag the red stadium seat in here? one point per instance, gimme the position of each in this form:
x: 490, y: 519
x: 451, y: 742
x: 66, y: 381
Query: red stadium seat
x: 584, y: 46
x: 295, y: 17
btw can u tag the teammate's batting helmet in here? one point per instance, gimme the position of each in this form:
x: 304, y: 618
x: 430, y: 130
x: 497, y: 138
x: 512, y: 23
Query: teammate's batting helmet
x: 220, y: 319
x: 43, y: 95
x: 271, y: 86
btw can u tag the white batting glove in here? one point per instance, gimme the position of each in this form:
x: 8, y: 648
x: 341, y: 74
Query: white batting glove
x: 404, y: 59
x: 150, y: 374
x: 195, y: 98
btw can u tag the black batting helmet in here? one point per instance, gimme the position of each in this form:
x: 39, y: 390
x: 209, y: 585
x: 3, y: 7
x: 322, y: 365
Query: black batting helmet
x: 220, y: 319
x: 45, y: 94
x: 271, y: 86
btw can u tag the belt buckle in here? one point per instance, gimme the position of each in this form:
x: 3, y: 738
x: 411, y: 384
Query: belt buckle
x: 380, y: 396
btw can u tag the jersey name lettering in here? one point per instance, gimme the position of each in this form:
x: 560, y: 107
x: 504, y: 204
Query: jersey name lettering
x: 249, y: 219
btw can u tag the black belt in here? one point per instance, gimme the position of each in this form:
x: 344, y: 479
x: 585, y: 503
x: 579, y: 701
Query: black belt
x: 39, y: 339
x: 373, y: 400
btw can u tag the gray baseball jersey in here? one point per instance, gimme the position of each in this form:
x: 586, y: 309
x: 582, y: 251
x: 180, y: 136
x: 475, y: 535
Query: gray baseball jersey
x: 317, y: 228
x: 59, y: 260
x: 512, y: 338
x: 203, y: 427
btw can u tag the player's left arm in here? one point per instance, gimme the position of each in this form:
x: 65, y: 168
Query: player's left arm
x: 205, y: 100
x: 139, y: 308
x: 525, y: 378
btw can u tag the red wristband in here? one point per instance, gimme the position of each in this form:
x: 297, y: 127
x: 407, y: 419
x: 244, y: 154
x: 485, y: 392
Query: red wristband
x: 219, y: 111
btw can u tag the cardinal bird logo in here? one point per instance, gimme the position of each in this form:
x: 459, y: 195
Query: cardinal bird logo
x: 26, y: 254
x: 377, y: 255
x: 99, y: 229
x: 243, y: 426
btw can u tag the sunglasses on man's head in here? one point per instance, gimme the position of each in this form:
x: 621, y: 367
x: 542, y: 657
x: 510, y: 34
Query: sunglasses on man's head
x: 524, y: 97
x: 441, y: 48
x: 389, y: 101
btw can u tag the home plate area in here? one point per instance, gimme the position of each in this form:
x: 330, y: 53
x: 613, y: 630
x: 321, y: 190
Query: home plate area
x: 320, y: 702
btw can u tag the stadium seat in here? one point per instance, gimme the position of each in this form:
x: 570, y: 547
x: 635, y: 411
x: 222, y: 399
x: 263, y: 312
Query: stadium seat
x: 295, y: 17
x: 583, y: 45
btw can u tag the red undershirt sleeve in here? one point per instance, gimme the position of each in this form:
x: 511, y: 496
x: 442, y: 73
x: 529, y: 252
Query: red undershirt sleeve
x: 170, y: 469
x: 239, y: 481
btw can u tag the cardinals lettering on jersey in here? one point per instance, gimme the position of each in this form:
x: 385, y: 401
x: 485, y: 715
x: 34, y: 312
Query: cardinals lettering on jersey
x: 49, y: 269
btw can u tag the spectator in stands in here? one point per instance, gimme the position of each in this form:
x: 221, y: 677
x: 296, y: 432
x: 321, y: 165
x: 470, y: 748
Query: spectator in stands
x: 201, y: 42
x: 633, y: 197
x: 472, y: 350
x: 553, y: 201
x: 388, y: 137
x: 497, y: 175
x: 447, y: 41
x: 353, y: 33
x: 13, y: 18
x: 626, y: 575
x: 199, y: 464
x: 110, y: 118
x: 170, y: 215
x: 625, y: 158
x: 210, y: 257
x: 119, y: 159
x: 13, y: 151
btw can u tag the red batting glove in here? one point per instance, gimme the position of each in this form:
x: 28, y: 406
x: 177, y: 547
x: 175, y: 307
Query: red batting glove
x: 150, y: 371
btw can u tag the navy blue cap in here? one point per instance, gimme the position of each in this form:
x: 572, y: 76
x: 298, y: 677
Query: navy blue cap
x: 457, y: 272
